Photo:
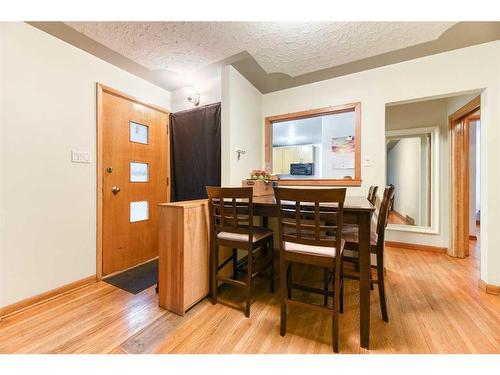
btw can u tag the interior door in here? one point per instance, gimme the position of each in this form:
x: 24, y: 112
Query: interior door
x: 135, y: 172
x: 460, y: 187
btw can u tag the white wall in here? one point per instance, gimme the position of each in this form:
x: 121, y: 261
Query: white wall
x: 47, y: 203
x: 403, y: 171
x: 209, y: 90
x: 472, y: 68
x: 241, y: 127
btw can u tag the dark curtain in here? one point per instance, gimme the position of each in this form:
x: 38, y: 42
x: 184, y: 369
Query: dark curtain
x: 195, y: 144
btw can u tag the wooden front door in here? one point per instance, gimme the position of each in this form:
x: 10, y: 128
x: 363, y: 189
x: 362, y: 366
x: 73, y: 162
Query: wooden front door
x: 134, y: 171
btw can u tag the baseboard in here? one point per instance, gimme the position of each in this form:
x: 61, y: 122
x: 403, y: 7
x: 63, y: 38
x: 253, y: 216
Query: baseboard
x: 489, y: 288
x: 472, y: 237
x: 414, y: 246
x: 45, y: 296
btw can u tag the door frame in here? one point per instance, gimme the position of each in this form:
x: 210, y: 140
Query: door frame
x: 100, y: 90
x: 459, y: 172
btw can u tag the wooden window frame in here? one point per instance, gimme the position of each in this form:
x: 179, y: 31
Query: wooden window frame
x: 351, y: 107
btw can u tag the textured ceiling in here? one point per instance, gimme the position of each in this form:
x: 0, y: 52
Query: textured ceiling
x: 293, y: 48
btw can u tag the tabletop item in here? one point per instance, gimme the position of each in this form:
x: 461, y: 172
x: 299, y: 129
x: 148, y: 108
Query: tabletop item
x: 260, y: 187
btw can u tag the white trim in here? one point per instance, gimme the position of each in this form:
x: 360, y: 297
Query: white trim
x: 435, y: 187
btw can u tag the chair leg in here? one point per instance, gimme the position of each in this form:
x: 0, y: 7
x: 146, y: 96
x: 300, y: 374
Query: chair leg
x: 273, y: 276
x: 336, y: 311
x: 325, y: 286
x: 341, y: 307
x: 215, y: 272
x: 371, y: 279
x: 249, y: 284
x: 381, y: 286
x: 235, y: 264
x: 341, y: 297
x: 283, y: 293
x: 289, y: 280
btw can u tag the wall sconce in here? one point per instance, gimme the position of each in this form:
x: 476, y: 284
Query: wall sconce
x: 194, y: 98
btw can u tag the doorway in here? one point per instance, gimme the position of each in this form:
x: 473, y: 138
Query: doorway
x: 132, y: 178
x: 464, y: 183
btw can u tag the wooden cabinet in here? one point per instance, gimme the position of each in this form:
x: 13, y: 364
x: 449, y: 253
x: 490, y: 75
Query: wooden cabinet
x: 284, y: 156
x: 184, y: 253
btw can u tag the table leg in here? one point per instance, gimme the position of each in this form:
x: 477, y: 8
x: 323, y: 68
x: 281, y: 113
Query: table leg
x: 364, y: 282
x: 265, y: 221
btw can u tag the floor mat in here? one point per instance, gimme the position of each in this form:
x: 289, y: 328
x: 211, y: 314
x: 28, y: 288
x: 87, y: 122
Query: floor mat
x: 136, y: 279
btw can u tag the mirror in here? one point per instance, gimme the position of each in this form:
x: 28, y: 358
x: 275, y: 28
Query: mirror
x: 322, y: 147
x: 411, y: 168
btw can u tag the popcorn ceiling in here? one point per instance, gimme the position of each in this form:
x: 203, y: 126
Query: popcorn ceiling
x: 293, y: 48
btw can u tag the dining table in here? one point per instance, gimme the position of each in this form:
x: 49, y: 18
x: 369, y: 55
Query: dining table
x: 358, y: 211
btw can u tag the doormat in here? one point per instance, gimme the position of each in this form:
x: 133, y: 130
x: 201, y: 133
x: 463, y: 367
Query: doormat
x: 136, y: 279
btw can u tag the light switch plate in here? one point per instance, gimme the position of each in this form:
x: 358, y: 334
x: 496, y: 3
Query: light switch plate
x: 80, y: 156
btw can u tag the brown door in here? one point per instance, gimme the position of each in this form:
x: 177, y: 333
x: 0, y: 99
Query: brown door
x: 135, y: 171
x: 460, y: 187
x: 459, y: 131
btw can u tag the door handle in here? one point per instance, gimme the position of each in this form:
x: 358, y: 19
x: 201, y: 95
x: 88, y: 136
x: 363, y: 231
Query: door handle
x: 115, y: 190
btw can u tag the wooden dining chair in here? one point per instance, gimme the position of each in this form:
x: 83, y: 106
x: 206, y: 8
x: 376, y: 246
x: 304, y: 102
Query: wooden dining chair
x: 231, y: 220
x: 372, y: 194
x: 372, y: 198
x: 310, y: 229
x: 377, y: 240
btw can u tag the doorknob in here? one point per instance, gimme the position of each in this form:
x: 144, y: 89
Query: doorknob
x: 115, y: 190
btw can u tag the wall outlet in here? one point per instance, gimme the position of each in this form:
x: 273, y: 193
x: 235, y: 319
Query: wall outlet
x: 80, y: 156
x: 367, y: 162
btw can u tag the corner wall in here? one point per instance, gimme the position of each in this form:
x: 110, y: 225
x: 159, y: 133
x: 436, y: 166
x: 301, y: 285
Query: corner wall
x: 459, y: 71
x: 47, y: 203
x: 242, y: 127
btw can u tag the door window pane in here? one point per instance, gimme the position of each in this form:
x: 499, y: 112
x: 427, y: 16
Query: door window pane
x: 138, y: 211
x: 138, y: 133
x: 139, y: 172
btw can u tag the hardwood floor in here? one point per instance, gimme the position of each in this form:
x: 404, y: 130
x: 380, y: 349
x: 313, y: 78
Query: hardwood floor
x: 434, y: 306
x: 396, y: 218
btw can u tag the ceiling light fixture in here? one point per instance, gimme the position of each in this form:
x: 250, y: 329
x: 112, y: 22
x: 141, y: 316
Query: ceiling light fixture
x: 194, y: 98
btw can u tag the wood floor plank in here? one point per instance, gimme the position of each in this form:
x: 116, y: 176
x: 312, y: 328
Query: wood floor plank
x: 434, y: 303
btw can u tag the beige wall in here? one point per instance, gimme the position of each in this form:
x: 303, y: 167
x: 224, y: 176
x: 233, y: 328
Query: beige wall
x: 241, y: 127
x: 47, y: 203
x: 459, y: 71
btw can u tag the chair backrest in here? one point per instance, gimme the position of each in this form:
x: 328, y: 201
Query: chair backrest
x: 231, y: 210
x: 383, y: 214
x: 391, y: 206
x: 372, y: 194
x: 310, y: 216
